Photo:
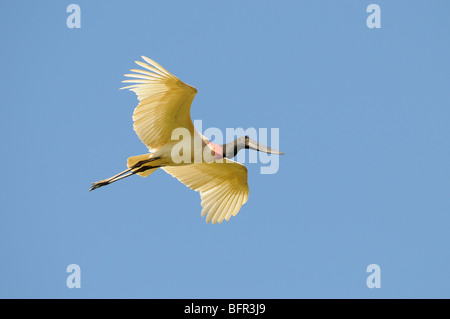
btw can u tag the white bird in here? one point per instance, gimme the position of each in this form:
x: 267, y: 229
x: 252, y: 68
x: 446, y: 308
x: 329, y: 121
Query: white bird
x: 164, y: 106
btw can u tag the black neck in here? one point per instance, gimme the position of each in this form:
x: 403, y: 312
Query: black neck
x: 231, y: 149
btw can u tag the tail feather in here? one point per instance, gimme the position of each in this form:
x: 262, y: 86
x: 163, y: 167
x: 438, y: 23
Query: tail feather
x: 142, y: 165
x: 133, y: 162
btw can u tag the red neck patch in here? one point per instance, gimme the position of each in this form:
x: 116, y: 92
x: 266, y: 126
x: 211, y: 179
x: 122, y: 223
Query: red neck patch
x: 217, y: 149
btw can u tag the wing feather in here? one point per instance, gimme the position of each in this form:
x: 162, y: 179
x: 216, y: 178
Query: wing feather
x: 223, y: 186
x: 220, y: 208
x: 164, y: 103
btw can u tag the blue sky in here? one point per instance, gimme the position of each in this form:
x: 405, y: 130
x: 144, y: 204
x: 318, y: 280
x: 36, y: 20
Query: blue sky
x: 364, y: 122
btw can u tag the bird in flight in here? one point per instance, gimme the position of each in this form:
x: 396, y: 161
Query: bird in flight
x: 164, y: 106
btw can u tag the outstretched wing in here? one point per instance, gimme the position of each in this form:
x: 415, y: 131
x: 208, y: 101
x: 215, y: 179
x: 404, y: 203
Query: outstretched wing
x: 164, y: 103
x: 223, y: 186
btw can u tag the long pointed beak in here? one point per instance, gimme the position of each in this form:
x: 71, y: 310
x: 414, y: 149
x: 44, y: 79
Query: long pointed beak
x: 253, y: 145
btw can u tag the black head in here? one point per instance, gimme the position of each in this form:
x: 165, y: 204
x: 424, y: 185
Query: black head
x: 231, y: 149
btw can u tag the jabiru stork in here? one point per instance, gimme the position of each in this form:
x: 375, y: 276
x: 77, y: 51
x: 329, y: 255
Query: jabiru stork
x: 164, y: 105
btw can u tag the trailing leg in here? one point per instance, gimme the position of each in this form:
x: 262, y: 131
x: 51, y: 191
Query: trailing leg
x: 136, y: 167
